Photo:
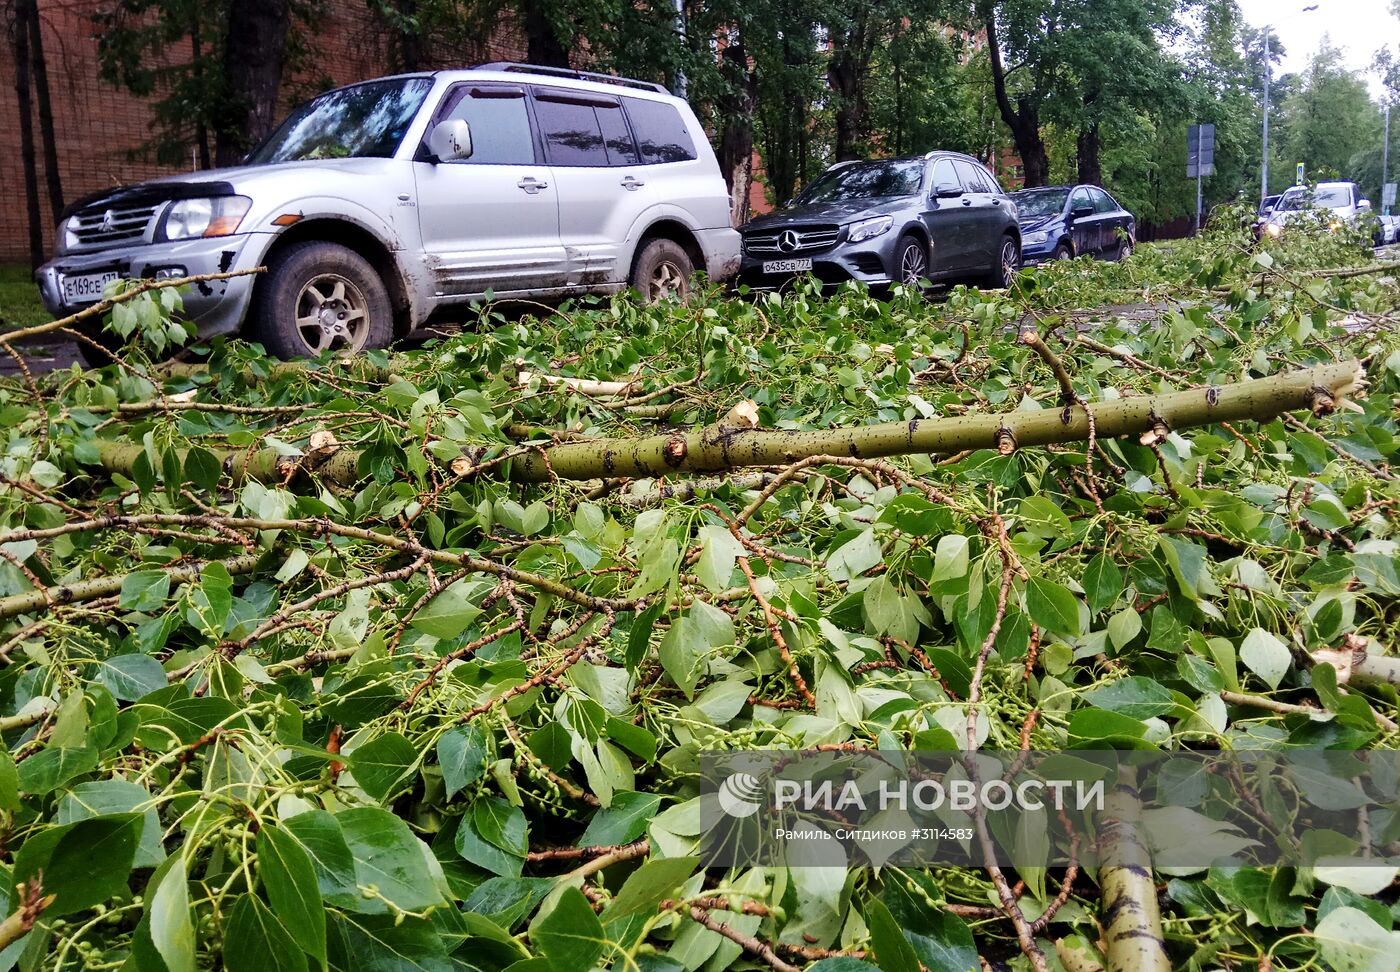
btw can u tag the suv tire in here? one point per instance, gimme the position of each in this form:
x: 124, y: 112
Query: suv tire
x: 1008, y: 262
x: 320, y: 297
x: 911, y: 261
x: 1062, y: 252
x: 662, y: 271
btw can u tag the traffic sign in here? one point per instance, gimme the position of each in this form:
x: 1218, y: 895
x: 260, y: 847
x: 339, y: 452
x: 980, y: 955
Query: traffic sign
x: 1302, y: 174
x: 1200, y: 151
x: 1388, y: 194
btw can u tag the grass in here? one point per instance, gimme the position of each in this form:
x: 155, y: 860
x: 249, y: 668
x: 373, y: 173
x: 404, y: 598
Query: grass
x: 19, y: 298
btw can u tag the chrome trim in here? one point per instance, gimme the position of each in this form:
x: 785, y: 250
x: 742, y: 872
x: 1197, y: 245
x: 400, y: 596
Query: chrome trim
x: 790, y: 240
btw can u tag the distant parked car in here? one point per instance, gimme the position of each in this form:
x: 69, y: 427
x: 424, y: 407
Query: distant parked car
x: 1063, y: 222
x: 1388, y: 231
x: 379, y: 205
x: 1269, y: 204
x: 1342, y: 203
x: 935, y: 217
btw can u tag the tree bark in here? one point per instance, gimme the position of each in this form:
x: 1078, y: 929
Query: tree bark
x: 1134, y: 934
x: 90, y: 590
x: 736, y: 138
x: 1023, y: 118
x: 731, y: 444
x: 255, y: 53
x: 846, y: 73
x: 201, y: 125
x: 1090, y: 170
x: 543, y: 46
x: 52, y: 177
x: 20, y: 39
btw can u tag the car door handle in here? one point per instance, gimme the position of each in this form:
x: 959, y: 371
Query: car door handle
x: 632, y: 183
x: 996, y: 202
x: 532, y: 185
x: 966, y: 201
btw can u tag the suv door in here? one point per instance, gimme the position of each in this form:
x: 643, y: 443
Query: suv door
x: 988, y: 214
x: 1084, y: 230
x: 950, y: 220
x: 591, y: 151
x: 490, y: 221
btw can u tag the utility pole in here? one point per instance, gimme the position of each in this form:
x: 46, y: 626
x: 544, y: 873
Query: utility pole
x: 1385, y: 160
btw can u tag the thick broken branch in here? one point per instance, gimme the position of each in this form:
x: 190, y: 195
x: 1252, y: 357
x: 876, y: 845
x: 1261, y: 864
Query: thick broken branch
x: 735, y: 442
x: 1130, y: 911
x: 91, y: 590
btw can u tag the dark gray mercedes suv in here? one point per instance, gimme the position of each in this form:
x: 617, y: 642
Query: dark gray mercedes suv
x: 933, y: 217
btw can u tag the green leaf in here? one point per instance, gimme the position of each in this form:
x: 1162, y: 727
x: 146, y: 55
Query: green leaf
x: 383, y: 766
x: 1135, y: 696
x: 449, y: 614
x: 83, y: 863
x: 104, y: 797
x: 501, y: 825
x: 388, y: 856
x: 130, y: 677
x: 940, y: 940
x: 462, y: 754
x: 1265, y: 656
x: 1042, y: 518
x: 892, y: 950
x: 1124, y: 626
x: 1103, y: 582
x: 384, y: 943
x: 323, y: 840
x: 649, y: 885
x: 202, y: 469
x: 855, y: 556
x: 169, y: 923
x: 1349, y: 940
x: 950, y: 558
x: 289, y: 878
x: 692, y: 636
x: 1188, y: 562
x: 255, y: 940
x: 570, y: 936
x: 50, y: 768
x: 145, y: 590
x: 622, y: 822
x: 1052, y: 606
x: 718, y: 552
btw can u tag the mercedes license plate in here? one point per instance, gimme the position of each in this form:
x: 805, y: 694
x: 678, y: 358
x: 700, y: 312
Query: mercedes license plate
x: 787, y: 266
x: 84, y: 288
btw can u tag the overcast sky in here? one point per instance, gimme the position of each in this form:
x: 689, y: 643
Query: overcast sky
x: 1358, y: 27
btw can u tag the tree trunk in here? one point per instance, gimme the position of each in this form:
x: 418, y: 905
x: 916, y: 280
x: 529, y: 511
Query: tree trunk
x: 254, y: 54
x: 52, y: 178
x: 846, y: 72
x: 543, y: 45
x: 1090, y: 171
x: 408, y: 44
x: 201, y: 125
x: 1022, y: 118
x: 1134, y: 934
x: 736, y: 138
x: 734, y: 443
x: 20, y: 37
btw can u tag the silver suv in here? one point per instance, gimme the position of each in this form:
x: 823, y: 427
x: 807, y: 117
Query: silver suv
x: 380, y: 205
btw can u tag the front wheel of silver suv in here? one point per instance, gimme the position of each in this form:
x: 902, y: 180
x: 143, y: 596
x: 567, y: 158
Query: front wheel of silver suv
x: 320, y: 297
x: 662, y: 271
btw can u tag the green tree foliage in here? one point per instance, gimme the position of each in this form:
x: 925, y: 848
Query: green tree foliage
x: 1330, y: 117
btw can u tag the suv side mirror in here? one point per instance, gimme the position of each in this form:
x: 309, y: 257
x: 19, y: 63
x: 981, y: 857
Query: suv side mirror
x: 1080, y: 212
x: 450, y: 141
x: 947, y: 191
x: 1364, y: 204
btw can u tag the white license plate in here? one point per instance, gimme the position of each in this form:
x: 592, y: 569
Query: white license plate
x: 787, y: 266
x: 84, y: 288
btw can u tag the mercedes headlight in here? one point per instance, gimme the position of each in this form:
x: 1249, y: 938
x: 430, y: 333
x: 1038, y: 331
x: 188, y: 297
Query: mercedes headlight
x: 1034, y: 238
x: 189, y: 219
x: 868, y: 229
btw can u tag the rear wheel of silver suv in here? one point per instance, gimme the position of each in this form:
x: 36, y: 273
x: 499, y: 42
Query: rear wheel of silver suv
x: 662, y: 271
x: 321, y: 297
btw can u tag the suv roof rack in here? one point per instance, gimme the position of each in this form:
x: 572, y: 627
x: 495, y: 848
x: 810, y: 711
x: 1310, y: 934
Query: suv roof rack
x: 553, y: 72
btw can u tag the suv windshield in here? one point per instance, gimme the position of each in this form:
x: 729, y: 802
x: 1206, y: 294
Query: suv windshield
x: 1040, y: 202
x: 361, y: 121
x: 867, y: 180
x: 1324, y: 197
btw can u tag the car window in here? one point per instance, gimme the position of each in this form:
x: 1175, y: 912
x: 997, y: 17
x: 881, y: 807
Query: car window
x: 362, y: 121
x: 661, y: 132
x: 944, y: 174
x: 1081, y: 199
x: 499, y: 120
x: 582, y: 130
x: 968, y: 175
x: 990, y: 180
x: 1103, y: 202
x: 864, y: 180
x: 1040, y: 202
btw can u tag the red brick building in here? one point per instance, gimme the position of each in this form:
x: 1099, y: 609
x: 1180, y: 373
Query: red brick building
x: 100, y: 129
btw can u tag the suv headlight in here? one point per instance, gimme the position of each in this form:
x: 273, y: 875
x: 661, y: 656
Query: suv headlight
x: 67, y: 236
x: 189, y: 219
x: 1033, y: 238
x: 868, y: 229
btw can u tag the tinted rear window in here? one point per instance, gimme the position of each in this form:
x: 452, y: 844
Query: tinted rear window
x: 661, y: 132
x: 584, y: 131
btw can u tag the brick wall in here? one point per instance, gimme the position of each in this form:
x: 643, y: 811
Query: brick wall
x: 99, y: 128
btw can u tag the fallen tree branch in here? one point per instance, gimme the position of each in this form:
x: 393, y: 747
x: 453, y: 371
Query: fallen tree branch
x: 1134, y: 921
x: 90, y: 590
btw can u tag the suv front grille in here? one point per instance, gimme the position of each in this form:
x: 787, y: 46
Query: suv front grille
x: 803, y: 239
x: 102, y: 227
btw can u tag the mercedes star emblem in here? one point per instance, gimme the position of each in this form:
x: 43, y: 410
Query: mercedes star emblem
x: 108, y: 221
x: 788, y: 241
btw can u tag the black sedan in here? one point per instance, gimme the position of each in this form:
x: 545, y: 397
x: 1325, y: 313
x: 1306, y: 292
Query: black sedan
x: 1063, y: 222
x: 934, y: 217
